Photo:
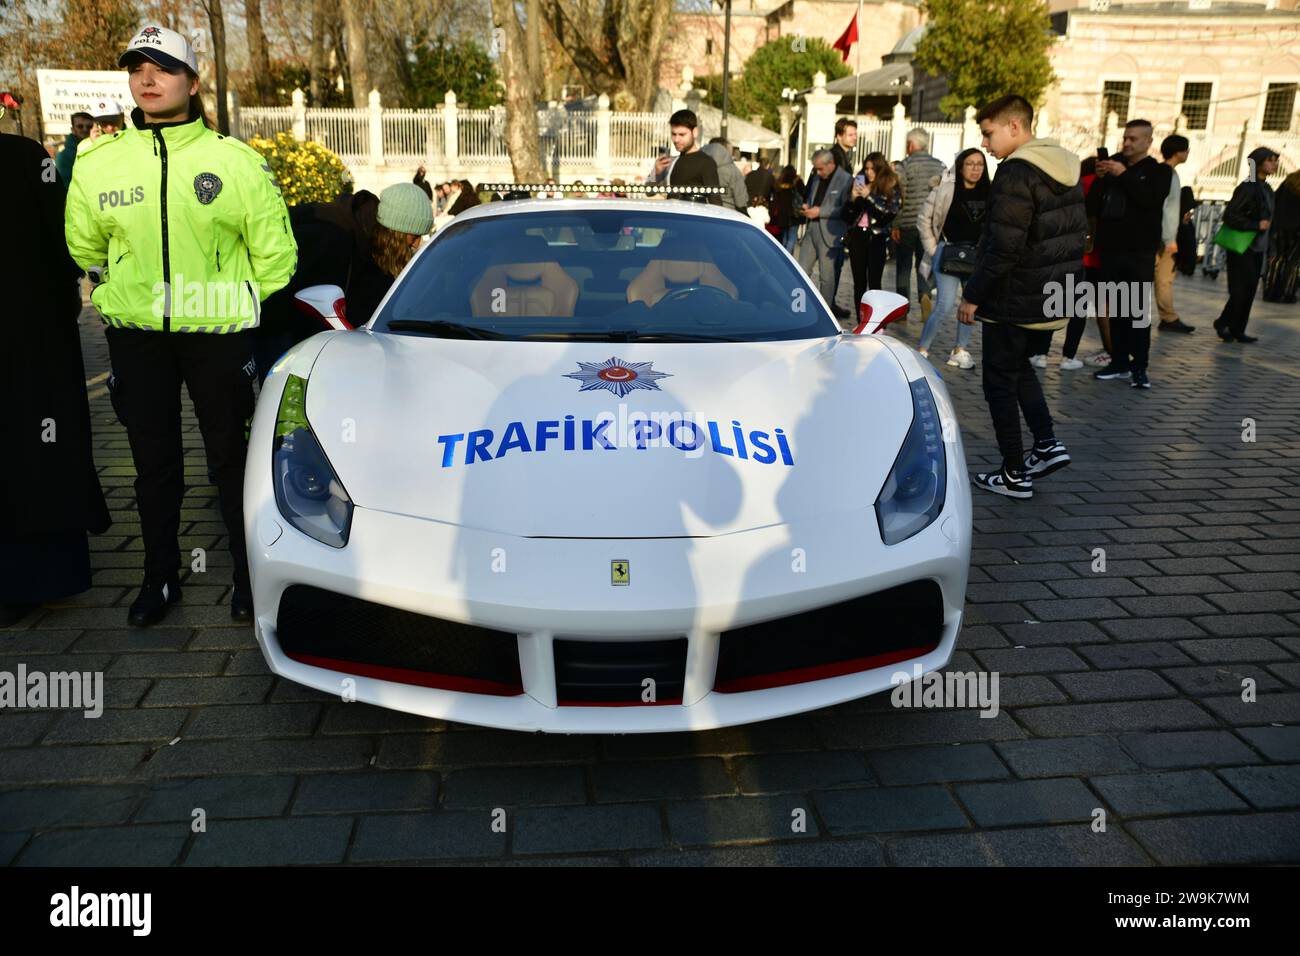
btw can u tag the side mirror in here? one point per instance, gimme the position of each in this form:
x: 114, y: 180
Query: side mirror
x: 324, y: 303
x: 877, y: 309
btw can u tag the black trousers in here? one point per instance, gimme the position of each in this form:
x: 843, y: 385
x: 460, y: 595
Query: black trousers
x: 148, y: 369
x: 1011, y: 388
x: 1243, y: 281
x: 1074, y: 331
x: 1130, y: 325
x: 867, y: 260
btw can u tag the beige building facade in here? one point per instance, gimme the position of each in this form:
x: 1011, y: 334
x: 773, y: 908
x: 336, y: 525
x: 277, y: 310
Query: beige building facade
x: 695, y: 40
x: 1223, y: 74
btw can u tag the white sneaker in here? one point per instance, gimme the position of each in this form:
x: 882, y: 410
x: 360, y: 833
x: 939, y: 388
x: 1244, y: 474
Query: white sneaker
x: 1070, y: 364
x: 960, y: 358
x: 1038, y: 361
x: 1101, y: 358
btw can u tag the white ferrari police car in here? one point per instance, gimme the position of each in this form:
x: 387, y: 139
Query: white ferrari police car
x: 605, y: 465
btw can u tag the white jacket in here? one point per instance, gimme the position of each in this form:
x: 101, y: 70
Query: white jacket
x: 933, y: 214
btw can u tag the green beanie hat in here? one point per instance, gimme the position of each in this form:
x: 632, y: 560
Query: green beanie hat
x: 404, y: 207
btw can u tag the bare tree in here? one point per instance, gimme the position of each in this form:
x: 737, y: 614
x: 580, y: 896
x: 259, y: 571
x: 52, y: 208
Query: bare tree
x: 259, y: 59
x: 354, y: 26
x: 615, y: 44
x: 521, y: 95
x: 533, y: 24
x: 217, y: 27
x: 317, y: 64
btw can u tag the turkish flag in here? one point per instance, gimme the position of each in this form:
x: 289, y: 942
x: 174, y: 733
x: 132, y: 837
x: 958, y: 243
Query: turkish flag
x: 849, y: 37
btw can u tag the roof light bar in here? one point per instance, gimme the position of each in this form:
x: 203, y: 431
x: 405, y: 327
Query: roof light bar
x: 625, y: 191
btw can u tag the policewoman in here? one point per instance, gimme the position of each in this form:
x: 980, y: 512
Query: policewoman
x: 192, y: 233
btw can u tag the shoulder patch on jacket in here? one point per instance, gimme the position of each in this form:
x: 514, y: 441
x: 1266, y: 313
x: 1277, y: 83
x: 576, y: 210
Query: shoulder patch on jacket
x: 253, y: 156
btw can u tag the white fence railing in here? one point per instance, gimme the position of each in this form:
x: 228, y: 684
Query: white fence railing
x: 413, y: 136
x: 467, y: 143
x: 345, y: 131
x: 265, y: 122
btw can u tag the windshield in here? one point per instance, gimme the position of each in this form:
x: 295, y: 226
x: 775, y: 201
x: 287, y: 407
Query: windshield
x: 611, y: 274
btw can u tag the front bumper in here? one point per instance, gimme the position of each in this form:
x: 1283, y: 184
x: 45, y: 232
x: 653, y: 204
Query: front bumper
x: 541, y: 589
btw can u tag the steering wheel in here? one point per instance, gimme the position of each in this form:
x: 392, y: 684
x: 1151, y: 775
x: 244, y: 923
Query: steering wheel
x: 687, y: 290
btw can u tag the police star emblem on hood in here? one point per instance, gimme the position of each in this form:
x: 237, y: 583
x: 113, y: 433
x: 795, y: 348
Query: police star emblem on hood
x: 616, y: 375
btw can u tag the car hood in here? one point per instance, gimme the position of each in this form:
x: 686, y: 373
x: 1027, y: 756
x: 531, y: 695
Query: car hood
x: 664, y: 439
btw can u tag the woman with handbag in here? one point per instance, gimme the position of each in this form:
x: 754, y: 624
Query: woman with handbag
x: 873, y: 203
x: 1244, y: 236
x: 950, y: 224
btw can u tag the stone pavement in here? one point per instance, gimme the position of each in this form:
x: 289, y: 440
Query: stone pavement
x: 1120, y: 690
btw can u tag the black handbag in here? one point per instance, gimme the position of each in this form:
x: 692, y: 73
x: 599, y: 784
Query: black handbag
x: 958, y: 259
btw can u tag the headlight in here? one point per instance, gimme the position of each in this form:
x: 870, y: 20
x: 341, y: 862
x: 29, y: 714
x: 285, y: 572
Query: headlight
x: 913, y: 492
x: 308, y: 493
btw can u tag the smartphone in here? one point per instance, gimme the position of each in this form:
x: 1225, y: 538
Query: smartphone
x: 1102, y: 152
x: 663, y: 150
x: 859, y: 180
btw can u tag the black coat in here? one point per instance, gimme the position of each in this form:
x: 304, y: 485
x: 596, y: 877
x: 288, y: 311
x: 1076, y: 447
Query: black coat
x: 45, y: 486
x: 1034, y: 234
x: 1129, y: 208
x: 1250, y: 204
x: 333, y: 246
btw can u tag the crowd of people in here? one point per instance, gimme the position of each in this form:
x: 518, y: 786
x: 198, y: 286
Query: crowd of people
x: 983, y: 249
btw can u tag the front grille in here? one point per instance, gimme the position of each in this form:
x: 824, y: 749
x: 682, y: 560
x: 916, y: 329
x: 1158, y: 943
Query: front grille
x: 613, y: 673
x: 866, y: 632
x: 347, y: 634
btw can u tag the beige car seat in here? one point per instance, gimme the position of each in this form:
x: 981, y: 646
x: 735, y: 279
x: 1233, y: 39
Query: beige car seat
x: 529, y: 283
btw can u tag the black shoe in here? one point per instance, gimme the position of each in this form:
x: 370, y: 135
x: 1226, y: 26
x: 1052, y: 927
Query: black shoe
x: 1177, y: 325
x: 1111, y: 371
x: 841, y: 313
x: 1002, y: 482
x: 241, y: 606
x: 1140, y: 380
x: 11, y: 614
x: 1221, y: 330
x: 1041, y: 462
x: 1246, y: 339
x: 150, y: 605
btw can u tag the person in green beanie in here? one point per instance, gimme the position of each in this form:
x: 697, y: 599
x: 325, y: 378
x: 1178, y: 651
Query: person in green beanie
x: 405, y: 216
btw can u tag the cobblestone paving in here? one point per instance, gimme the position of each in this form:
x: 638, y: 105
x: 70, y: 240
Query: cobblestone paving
x: 1120, y: 690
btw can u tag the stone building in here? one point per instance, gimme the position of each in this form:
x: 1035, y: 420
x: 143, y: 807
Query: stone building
x: 695, y: 40
x: 1224, y: 74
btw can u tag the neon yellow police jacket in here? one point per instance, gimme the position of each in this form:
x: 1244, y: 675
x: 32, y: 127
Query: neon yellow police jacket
x: 188, y: 224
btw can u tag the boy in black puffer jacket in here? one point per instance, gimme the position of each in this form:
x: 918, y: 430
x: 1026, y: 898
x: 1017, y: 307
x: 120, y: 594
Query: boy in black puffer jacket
x: 1032, y: 241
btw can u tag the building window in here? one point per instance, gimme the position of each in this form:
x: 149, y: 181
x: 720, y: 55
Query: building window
x: 1196, y: 104
x: 1115, y: 96
x: 1279, y: 107
x: 708, y: 48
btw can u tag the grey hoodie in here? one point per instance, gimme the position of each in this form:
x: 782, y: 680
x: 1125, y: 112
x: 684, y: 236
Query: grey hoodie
x: 736, y: 196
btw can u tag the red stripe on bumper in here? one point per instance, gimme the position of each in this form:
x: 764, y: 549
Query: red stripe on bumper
x: 803, y: 675
x: 401, y: 675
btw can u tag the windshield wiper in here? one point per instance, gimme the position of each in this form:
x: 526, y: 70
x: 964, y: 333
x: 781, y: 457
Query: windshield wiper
x: 679, y: 337
x: 439, y: 325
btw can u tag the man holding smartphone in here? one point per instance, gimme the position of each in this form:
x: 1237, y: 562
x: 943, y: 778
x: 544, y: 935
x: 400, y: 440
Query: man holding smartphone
x: 691, y: 166
x: 1128, y: 201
